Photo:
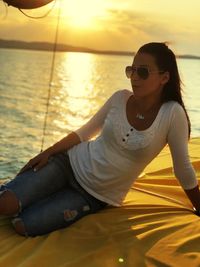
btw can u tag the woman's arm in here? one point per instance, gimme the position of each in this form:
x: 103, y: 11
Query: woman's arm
x: 88, y: 130
x: 95, y: 124
x: 178, y: 144
x: 84, y: 133
x: 64, y: 144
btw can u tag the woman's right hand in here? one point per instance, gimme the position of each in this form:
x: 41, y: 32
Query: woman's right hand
x: 37, y: 162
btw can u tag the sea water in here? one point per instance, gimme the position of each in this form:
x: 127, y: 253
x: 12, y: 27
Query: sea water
x: 81, y: 84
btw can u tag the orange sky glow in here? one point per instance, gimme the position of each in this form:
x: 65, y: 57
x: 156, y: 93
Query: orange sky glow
x: 110, y: 24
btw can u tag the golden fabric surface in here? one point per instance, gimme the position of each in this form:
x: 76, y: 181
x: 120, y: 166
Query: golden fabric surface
x: 155, y: 227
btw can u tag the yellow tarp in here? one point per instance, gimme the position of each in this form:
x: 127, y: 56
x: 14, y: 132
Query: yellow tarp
x: 156, y: 227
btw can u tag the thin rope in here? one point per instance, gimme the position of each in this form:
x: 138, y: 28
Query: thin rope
x: 51, y: 77
x: 39, y: 17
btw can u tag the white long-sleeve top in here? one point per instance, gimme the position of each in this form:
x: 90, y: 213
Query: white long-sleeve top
x: 107, y: 166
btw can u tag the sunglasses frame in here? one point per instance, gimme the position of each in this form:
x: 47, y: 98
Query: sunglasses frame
x: 129, y: 70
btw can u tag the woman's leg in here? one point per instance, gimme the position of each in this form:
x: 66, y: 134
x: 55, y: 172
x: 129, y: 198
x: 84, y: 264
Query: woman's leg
x: 9, y: 204
x: 55, y: 212
x: 31, y: 186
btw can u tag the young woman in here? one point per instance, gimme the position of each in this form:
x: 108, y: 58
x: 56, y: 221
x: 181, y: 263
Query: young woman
x: 79, y: 176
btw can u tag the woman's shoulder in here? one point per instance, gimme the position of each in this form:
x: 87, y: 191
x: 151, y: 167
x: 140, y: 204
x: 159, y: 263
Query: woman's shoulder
x: 120, y: 95
x: 123, y: 94
x: 173, y: 109
x: 173, y: 106
x: 126, y: 92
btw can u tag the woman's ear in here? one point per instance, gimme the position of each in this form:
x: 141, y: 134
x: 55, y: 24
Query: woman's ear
x: 165, y: 77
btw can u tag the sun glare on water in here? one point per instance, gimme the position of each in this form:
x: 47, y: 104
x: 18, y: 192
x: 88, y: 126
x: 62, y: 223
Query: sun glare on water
x: 83, y: 14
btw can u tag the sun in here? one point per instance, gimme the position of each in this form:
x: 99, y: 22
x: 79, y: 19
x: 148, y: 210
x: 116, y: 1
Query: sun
x: 83, y: 13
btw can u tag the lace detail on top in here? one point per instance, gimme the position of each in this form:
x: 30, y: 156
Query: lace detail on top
x: 126, y: 135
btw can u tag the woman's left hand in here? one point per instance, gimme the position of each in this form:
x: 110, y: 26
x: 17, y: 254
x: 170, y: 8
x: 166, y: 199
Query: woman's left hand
x: 37, y: 162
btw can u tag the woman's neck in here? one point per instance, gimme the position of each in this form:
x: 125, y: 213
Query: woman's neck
x: 145, y: 104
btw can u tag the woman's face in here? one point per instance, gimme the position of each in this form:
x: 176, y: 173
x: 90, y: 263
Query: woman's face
x: 153, y: 82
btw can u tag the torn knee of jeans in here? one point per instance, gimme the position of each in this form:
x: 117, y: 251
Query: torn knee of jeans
x: 19, y: 202
x: 70, y: 214
x: 16, y: 221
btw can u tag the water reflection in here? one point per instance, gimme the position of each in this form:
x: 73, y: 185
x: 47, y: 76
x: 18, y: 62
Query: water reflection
x: 191, y: 93
x: 82, y: 86
x: 79, y: 67
x: 72, y: 98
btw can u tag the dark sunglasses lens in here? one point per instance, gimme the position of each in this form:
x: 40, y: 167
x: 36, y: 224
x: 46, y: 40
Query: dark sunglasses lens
x: 128, y: 71
x: 143, y: 73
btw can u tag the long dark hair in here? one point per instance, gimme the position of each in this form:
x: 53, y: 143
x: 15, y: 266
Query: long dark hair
x: 166, y: 61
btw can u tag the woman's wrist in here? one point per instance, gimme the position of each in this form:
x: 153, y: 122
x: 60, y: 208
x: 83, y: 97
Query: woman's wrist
x: 64, y: 144
x: 50, y: 151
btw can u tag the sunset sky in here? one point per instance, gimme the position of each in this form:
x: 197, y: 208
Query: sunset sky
x: 110, y: 24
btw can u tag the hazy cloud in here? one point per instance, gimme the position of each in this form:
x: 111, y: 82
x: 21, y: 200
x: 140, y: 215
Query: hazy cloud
x: 120, y: 29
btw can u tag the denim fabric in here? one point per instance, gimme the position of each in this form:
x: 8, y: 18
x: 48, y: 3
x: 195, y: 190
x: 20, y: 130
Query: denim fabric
x: 51, y: 198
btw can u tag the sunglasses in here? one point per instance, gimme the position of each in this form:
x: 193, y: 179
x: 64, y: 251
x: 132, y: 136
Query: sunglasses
x: 142, y: 72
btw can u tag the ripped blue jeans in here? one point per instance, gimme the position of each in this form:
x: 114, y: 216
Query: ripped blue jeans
x: 51, y: 198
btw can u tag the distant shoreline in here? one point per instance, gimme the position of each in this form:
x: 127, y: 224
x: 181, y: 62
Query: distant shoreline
x: 46, y: 46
